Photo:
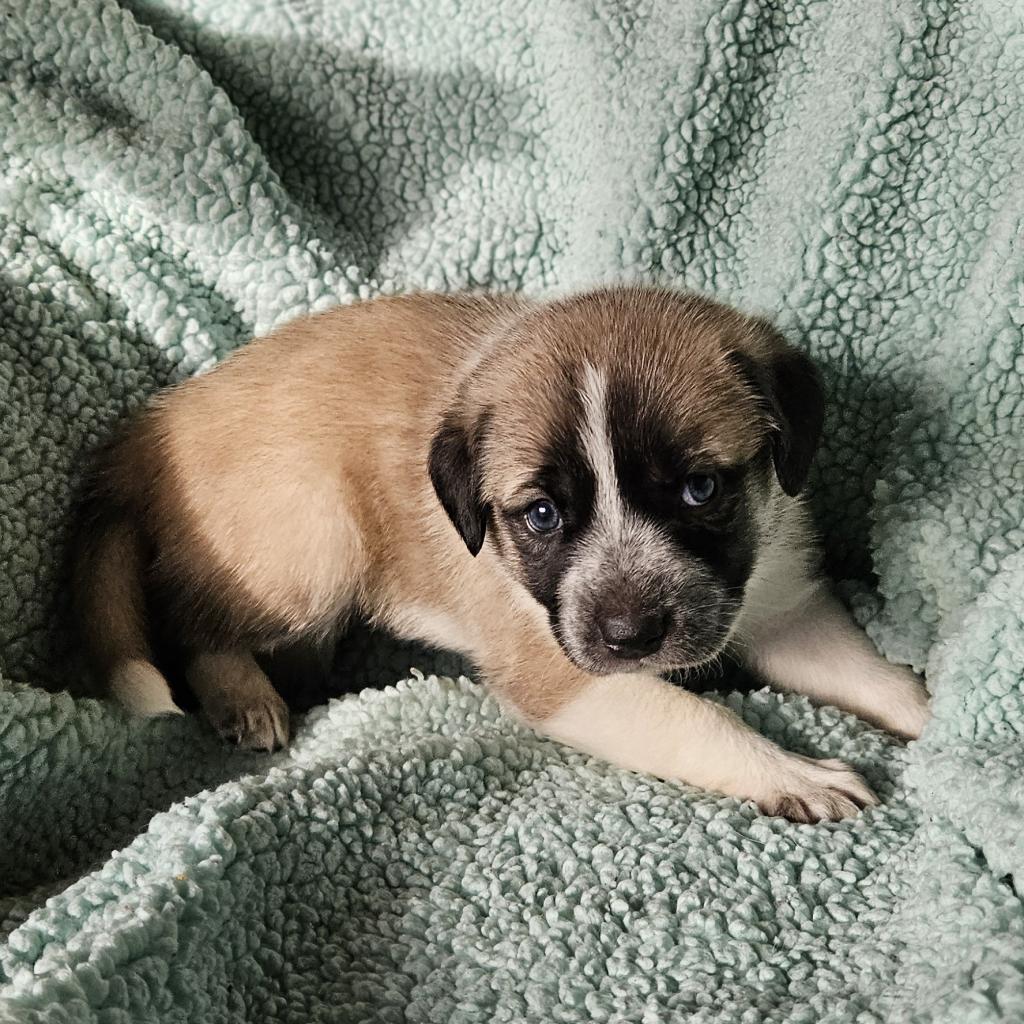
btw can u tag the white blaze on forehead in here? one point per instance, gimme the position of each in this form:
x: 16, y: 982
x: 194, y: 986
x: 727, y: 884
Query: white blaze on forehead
x: 597, y: 446
x: 622, y: 552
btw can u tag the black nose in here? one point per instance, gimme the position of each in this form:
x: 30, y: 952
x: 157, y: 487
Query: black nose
x: 632, y: 634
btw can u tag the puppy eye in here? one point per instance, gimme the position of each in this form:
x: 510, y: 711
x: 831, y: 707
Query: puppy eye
x: 699, y: 489
x: 543, y: 517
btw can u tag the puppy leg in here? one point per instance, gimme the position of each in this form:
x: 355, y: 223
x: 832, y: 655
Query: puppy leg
x: 239, y: 700
x: 140, y: 687
x: 643, y: 723
x: 818, y: 650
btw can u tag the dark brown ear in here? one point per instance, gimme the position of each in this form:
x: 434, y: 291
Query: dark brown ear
x: 790, y: 387
x: 454, y: 468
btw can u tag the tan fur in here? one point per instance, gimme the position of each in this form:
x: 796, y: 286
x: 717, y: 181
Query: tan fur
x: 289, y: 484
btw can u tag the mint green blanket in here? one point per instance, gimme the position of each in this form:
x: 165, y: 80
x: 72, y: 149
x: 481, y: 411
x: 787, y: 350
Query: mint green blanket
x: 177, y: 175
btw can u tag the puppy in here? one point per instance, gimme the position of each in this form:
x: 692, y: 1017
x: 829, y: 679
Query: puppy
x: 580, y: 496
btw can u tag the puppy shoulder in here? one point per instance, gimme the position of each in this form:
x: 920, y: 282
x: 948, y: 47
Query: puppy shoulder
x: 787, y: 567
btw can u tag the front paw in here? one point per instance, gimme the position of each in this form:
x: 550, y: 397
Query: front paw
x: 807, y: 790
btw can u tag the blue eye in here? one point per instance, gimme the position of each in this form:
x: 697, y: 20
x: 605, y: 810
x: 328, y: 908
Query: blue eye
x: 699, y: 489
x: 543, y: 517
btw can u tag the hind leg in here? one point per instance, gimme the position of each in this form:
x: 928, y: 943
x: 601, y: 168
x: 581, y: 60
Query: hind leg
x: 238, y: 699
x: 139, y: 687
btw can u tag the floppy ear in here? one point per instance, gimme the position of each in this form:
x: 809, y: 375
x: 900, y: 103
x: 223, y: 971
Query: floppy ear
x: 455, y: 473
x: 790, y: 387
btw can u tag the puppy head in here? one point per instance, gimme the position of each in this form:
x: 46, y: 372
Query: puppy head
x: 623, y: 451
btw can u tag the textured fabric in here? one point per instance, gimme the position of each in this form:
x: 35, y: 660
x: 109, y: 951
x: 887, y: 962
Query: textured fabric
x: 177, y: 175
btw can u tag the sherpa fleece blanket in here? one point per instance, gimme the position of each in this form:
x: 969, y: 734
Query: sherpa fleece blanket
x: 177, y: 175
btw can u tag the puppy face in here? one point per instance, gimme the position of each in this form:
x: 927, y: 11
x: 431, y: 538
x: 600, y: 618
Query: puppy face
x: 621, y: 450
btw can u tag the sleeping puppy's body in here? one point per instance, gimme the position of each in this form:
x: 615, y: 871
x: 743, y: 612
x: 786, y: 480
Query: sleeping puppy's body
x: 579, y: 496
